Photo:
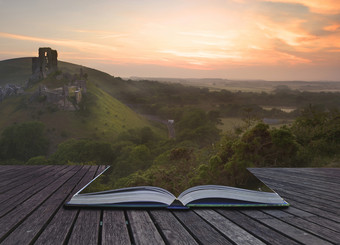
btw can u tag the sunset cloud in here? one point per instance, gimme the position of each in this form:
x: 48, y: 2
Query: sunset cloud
x: 194, y: 34
x: 66, y: 43
x: 317, y: 6
x: 332, y: 27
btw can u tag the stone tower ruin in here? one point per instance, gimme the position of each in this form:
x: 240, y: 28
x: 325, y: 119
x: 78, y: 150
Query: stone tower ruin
x: 46, y: 63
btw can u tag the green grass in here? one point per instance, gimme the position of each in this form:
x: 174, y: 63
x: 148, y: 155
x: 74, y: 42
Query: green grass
x: 107, y: 117
x: 100, y: 79
x: 15, y: 71
x: 231, y: 123
x: 111, y: 116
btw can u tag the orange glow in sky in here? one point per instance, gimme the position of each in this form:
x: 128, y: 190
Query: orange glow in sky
x: 237, y: 39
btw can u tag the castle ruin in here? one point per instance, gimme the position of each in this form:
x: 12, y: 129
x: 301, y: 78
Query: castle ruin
x: 66, y: 97
x: 46, y: 63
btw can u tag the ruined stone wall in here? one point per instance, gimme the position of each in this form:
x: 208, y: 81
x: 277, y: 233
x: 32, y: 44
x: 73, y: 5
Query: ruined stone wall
x: 78, y: 96
x: 52, y: 97
x: 81, y: 84
x: 48, y: 60
x: 54, y: 60
x: 10, y: 90
x: 43, y: 65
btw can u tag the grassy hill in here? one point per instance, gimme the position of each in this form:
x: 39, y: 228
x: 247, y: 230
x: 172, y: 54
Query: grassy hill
x: 15, y: 71
x: 106, y: 117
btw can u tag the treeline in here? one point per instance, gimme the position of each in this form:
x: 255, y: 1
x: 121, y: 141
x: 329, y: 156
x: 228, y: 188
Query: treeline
x: 200, y: 154
x: 20, y: 142
x: 163, y: 99
x: 132, y: 150
x: 313, y: 140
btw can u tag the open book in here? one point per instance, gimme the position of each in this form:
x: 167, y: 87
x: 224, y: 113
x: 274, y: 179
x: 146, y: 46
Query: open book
x: 94, y: 194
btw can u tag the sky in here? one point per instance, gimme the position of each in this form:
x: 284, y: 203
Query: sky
x: 232, y: 39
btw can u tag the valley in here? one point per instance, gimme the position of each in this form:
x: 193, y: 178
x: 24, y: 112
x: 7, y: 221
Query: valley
x: 153, y: 131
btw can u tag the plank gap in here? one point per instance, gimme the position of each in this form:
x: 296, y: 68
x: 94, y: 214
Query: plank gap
x: 187, y: 228
x: 158, y: 228
x: 270, y: 227
x: 68, y: 236
x: 127, y: 222
x: 100, y: 231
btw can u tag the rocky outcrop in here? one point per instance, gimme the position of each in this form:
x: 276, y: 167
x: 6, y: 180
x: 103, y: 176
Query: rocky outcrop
x: 10, y: 90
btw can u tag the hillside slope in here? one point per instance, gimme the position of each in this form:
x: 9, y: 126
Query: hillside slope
x: 15, y: 71
x: 105, y: 118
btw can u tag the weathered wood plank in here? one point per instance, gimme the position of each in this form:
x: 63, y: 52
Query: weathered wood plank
x: 86, y: 228
x: 330, y: 224
x: 316, y: 201
x: 277, y: 213
x: 303, y: 186
x: 301, y: 202
x: 301, y: 179
x: 312, y: 219
x: 26, y: 232
x: 324, y: 233
x: 171, y: 228
x: 329, y: 171
x: 321, y: 231
x: 323, y: 174
x: 143, y: 229
x: 17, y: 200
x: 314, y: 210
x: 13, y: 176
x: 115, y: 229
x: 303, y: 189
x: 268, y: 177
x: 87, y: 222
x: 256, y: 228
x: 289, y: 230
x: 14, y: 217
x: 199, y: 229
x: 57, y: 230
x: 298, y: 212
x: 16, y: 170
x: 228, y: 228
x: 324, y: 191
x: 19, y: 190
x: 300, y: 174
x: 6, y: 168
x: 25, y: 180
x: 311, y: 201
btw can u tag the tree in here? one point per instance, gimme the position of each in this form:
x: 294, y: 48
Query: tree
x: 196, y: 126
x: 318, y: 131
x: 38, y: 160
x: 23, y: 141
x: 82, y: 151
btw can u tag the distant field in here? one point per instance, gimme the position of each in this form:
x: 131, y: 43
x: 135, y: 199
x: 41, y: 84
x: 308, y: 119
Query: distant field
x: 216, y: 84
x: 267, y: 86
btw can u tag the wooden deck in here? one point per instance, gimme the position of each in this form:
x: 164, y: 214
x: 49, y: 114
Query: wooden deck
x: 32, y: 212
